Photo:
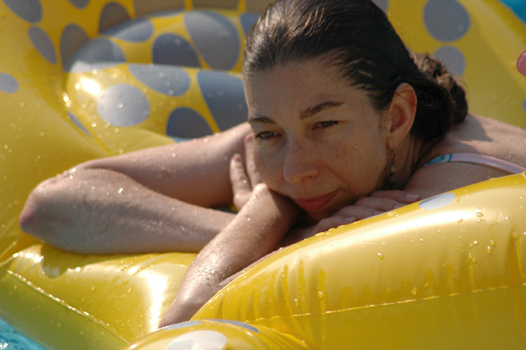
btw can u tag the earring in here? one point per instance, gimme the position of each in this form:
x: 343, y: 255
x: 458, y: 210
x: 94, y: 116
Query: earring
x: 392, y: 171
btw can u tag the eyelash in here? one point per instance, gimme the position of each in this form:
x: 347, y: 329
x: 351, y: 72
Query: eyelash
x: 262, y: 136
x: 266, y: 137
x: 326, y: 124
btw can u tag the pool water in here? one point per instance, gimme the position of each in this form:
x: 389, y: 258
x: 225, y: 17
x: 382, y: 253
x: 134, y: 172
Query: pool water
x: 11, y: 340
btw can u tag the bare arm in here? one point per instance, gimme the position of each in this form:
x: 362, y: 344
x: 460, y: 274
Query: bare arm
x: 145, y: 201
x: 255, y: 232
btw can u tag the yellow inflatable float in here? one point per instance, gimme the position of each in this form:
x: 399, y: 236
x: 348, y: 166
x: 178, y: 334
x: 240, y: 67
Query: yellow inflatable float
x: 81, y: 79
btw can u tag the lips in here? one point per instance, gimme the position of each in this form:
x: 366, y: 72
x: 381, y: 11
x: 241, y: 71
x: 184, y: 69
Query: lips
x: 315, y: 203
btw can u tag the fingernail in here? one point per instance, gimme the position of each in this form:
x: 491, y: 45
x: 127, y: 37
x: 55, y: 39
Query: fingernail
x: 411, y: 196
x: 351, y: 219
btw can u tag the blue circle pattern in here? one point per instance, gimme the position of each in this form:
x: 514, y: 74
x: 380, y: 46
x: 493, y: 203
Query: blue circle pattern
x: 77, y: 122
x: 174, y: 50
x: 225, y: 97
x: 95, y: 51
x: 28, y: 10
x: 186, y: 123
x: 80, y: 3
x: 73, y: 37
x: 215, y: 37
x: 123, y: 105
x: 446, y: 20
x: 248, y: 20
x: 437, y: 202
x: 135, y: 30
x: 453, y: 58
x: 8, y: 84
x: 112, y: 14
x: 43, y: 44
x: 171, y: 81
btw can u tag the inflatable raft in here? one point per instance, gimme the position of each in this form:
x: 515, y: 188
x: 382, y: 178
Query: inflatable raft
x: 82, y: 79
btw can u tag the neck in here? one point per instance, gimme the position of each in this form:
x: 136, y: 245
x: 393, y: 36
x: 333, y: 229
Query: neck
x: 408, y: 153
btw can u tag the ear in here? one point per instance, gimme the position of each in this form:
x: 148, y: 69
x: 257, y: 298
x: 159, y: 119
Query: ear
x: 400, y: 115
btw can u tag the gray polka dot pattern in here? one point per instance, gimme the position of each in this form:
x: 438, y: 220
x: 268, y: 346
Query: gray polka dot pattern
x: 73, y: 37
x: 29, y: 10
x: 215, y: 37
x: 187, y: 123
x: 225, y: 98
x: 123, y: 105
x: 96, y: 51
x: 174, y: 50
x: 143, y: 7
x: 77, y: 122
x: 137, y: 30
x: 8, y: 84
x: 383, y: 4
x: 111, y: 15
x: 43, y: 44
x: 171, y: 81
x: 165, y: 13
x: 446, y: 20
x: 453, y: 58
x: 80, y: 3
x: 248, y: 20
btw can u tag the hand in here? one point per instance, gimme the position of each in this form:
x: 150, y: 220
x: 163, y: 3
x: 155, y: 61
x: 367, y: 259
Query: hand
x: 375, y: 204
x: 243, y: 180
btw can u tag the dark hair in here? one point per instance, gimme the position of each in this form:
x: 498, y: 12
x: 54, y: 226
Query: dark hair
x: 362, y: 41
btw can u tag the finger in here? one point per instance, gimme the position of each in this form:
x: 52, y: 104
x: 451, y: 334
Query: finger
x: 252, y: 171
x: 359, y: 212
x: 396, y: 195
x: 333, y: 221
x: 379, y: 204
x: 238, y: 176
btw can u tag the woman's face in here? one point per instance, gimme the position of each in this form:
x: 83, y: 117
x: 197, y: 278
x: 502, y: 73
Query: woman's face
x: 317, y: 140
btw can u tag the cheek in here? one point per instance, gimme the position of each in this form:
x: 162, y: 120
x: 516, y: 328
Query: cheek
x: 268, y: 166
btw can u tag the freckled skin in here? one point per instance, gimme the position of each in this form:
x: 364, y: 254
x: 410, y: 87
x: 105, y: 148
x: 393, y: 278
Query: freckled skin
x: 341, y: 148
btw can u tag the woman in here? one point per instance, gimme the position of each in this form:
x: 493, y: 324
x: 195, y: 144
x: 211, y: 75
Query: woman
x: 342, y: 126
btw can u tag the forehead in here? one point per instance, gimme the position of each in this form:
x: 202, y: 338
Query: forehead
x: 298, y: 85
x: 298, y: 76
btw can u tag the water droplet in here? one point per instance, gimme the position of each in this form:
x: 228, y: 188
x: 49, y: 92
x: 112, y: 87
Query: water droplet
x: 479, y: 214
x: 516, y: 235
x: 120, y: 190
x: 492, y: 242
x: 489, y: 249
x: 92, y: 289
x: 414, y: 291
x: 120, y: 105
x: 321, y: 295
x: 380, y: 255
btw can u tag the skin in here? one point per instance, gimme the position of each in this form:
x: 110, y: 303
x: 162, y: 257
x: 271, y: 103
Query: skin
x: 299, y: 177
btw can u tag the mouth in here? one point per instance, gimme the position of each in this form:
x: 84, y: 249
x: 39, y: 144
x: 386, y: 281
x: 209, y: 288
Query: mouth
x: 315, y: 203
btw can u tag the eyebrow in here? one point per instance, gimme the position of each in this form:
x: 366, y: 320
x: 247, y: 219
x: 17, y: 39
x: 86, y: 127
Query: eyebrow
x: 307, y: 113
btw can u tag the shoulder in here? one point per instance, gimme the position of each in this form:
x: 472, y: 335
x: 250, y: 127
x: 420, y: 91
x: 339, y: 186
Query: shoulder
x: 484, y: 136
x: 438, y: 178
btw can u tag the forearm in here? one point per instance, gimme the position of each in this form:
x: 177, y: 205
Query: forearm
x: 104, y: 212
x: 255, y: 232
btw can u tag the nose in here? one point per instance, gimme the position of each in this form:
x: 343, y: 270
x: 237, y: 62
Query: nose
x: 300, y: 163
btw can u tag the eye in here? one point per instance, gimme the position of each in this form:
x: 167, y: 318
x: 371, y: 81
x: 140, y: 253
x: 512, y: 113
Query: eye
x: 326, y: 124
x: 266, y: 135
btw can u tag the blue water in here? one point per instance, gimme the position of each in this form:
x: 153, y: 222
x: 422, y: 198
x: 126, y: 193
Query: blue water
x: 517, y: 6
x: 11, y: 340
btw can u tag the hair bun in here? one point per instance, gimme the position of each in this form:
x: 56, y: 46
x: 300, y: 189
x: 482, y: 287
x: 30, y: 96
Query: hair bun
x: 437, y: 71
